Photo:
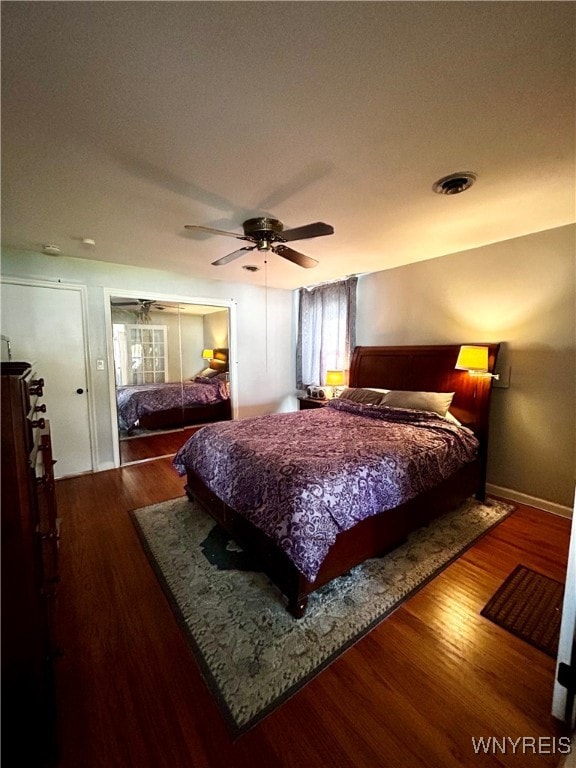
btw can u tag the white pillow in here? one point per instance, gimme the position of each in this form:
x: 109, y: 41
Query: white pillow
x: 207, y: 373
x: 438, y: 402
x: 452, y: 419
x: 365, y: 395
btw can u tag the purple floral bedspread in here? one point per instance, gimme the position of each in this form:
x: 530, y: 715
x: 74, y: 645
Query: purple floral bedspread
x: 134, y: 402
x: 302, y: 477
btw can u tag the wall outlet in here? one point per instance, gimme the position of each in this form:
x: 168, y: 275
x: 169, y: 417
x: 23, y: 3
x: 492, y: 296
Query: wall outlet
x: 100, y: 365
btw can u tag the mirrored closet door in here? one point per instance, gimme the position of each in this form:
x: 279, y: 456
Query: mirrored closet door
x: 171, y: 373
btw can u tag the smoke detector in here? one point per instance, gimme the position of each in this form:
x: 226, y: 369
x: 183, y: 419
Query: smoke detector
x: 51, y: 250
x: 455, y: 183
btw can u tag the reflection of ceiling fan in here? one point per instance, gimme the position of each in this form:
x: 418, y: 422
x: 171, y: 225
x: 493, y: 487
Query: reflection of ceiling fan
x: 270, y: 235
x: 144, y: 305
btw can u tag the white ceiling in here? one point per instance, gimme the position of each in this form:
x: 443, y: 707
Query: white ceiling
x: 124, y: 121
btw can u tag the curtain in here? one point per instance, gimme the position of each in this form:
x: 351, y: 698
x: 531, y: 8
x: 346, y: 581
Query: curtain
x: 326, y: 331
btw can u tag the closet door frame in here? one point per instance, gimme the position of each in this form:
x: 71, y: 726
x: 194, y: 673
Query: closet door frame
x: 230, y: 305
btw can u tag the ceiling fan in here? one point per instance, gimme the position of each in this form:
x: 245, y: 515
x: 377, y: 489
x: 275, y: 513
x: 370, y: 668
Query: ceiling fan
x: 270, y: 235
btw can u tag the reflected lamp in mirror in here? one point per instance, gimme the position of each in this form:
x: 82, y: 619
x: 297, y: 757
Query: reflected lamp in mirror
x: 474, y: 359
x: 207, y: 354
x: 335, y: 379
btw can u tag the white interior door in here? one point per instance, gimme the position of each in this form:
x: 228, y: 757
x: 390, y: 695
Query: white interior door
x: 563, y: 704
x: 45, y: 325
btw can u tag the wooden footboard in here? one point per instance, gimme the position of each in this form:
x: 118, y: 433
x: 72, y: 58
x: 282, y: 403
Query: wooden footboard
x: 187, y: 416
x: 372, y: 537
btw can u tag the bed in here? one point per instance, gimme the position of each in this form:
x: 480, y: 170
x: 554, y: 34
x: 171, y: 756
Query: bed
x: 177, y: 404
x: 316, y: 492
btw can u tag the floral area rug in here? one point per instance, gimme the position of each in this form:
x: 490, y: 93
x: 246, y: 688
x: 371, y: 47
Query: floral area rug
x: 252, y: 652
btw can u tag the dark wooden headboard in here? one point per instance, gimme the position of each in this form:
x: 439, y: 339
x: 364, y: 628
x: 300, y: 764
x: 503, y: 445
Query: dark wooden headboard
x: 429, y: 369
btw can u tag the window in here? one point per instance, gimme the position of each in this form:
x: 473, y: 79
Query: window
x: 140, y: 352
x: 326, y: 330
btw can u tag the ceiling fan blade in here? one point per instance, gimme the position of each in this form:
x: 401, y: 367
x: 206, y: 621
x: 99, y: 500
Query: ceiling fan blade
x: 294, y: 256
x: 142, y: 303
x: 215, y: 231
x: 231, y: 256
x: 308, y: 230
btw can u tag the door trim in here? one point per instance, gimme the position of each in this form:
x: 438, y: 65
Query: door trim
x: 563, y: 701
x: 82, y: 291
x: 229, y: 304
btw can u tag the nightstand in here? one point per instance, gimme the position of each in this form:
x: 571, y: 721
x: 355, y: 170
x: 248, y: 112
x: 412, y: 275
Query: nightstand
x: 310, y: 402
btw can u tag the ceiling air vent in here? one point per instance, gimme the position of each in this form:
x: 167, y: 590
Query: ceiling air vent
x: 454, y: 183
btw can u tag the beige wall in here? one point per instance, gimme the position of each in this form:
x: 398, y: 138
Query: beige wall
x: 519, y: 292
x: 215, y: 329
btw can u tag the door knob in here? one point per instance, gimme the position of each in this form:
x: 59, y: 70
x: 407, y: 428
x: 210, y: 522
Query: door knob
x: 79, y: 391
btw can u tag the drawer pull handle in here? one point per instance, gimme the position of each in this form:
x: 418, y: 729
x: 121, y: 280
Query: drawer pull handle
x: 50, y: 536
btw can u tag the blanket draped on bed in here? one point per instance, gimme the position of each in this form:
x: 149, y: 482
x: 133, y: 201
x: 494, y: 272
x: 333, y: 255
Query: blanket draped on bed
x: 136, y: 401
x: 303, y: 477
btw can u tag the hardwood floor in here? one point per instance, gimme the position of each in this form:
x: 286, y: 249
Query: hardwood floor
x: 153, y: 445
x: 414, y: 692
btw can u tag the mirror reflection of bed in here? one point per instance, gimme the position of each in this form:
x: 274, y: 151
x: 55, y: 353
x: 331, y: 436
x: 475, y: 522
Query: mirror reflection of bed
x: 171, y: 373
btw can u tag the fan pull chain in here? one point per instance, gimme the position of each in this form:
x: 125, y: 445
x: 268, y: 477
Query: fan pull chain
x: 266, y: 313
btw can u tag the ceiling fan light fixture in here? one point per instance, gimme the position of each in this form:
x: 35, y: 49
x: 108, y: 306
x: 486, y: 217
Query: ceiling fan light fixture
x: 251, y: 267
x: 455, y: 183
x: 262, y: 227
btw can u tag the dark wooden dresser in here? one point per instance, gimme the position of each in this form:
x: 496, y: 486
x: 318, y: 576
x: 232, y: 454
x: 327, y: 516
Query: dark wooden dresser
x: 30, y: 535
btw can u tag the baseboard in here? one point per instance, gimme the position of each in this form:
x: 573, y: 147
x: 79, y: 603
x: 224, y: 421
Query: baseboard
x: 105, y: 466
x: 532, y: 501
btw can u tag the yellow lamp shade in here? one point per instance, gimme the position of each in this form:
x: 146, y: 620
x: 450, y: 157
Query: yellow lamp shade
x: 472, y: 358
x: 207, y: 354
x: 334, y: 378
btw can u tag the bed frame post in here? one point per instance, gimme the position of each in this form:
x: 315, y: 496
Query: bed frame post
x: 297, y: 606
